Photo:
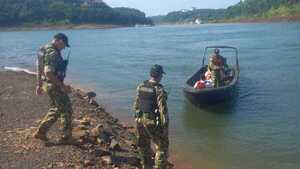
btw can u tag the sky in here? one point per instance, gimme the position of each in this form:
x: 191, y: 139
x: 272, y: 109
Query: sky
x: 162, y: 7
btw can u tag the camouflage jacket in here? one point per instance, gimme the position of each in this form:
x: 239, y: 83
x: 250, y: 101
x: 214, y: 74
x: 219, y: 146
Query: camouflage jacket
x: 161, y: 99
x: 216, y: 62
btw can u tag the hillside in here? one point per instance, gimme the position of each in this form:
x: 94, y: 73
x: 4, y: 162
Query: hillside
x: 247, y: 10
x: 190, y: 16
x: 20, y: 12
x: 264, y: 9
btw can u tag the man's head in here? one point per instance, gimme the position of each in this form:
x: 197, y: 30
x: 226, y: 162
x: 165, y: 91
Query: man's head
x: 216, y: 51
x: 61, y: 41
x: 156, y: 72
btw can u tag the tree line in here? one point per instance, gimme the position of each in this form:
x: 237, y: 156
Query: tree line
x: 18, y: 12
x: 258, y: 7
x: 203, y: 15
x: 245, y: 8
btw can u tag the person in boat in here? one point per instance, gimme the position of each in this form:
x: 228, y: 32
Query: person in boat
x: 50, y: 79
x: 152, y: 120
x: 208, y: 80
x: 204, y: 83
x: 216, y: 66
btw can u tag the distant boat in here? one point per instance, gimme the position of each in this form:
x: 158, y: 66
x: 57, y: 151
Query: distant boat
x: 198, y: 21
x: 207, y: 96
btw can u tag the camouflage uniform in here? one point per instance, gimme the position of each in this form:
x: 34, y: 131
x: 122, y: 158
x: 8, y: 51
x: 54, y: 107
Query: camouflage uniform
x: 60, y: 105
x: 153, y: 126
x: 216, y: 69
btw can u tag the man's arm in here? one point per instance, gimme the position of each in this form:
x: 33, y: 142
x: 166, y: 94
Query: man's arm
x: 136, y: 104
x: 162, y: 106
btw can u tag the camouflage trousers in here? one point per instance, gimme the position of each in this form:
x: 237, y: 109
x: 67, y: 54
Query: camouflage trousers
x: 159, y: 137
x: 60, y: 108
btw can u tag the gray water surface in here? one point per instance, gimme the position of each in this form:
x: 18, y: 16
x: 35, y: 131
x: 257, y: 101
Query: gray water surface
x: 259, y: 129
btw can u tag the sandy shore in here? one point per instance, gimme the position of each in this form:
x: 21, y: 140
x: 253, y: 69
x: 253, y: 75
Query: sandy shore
x: 101, y: 140
x: 57, y: 27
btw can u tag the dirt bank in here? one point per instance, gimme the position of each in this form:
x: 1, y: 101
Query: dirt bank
x: 101, y: 140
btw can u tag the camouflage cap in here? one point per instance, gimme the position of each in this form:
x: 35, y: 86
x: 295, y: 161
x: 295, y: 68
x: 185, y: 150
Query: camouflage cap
x: 156, y: 70
x: 62, y: 37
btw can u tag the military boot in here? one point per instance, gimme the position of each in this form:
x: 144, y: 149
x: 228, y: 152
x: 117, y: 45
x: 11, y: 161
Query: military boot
x: 66, y: 139
x: 40, y: 135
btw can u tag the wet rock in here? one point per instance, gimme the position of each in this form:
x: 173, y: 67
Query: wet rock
x: 90, y: 95
x: 93, y: 102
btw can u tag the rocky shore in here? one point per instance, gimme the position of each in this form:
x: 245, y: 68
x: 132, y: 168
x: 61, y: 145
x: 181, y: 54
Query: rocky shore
x: 101, y: 141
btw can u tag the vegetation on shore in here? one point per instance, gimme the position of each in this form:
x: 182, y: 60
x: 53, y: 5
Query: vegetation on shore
x: 62, y: 12
x: 264, y: 9
x: 250, y: 10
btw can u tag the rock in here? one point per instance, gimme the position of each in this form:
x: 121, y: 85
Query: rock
x: 60, y: 164
x: 85, y: 121
x: 100, y: 109
x: 95, y: 132
x: 77, y: 167
x: 107, y: 160
x: 101, y: 152
x: 114, y: 145
x: 50, y: 166
x: 105, y: 136
x: 93, y: 102
x: 81, y: 127
x: 79, y: 134
x: 90, y: 95
x: 88, y: 163
x: 100, y: 141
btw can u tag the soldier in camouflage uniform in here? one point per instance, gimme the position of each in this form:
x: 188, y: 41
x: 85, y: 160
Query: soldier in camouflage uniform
x: 216, y: 67
x: 50, y: 78
x: 152, y: 120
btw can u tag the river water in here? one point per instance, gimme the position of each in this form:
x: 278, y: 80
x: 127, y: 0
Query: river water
x: 259, y: 129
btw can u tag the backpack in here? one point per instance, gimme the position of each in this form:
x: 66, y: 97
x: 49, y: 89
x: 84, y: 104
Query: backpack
x: 40, y: 65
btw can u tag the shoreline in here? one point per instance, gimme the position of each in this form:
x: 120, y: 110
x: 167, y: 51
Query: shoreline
x: 101, y: 141
x: 41, y: 27
x: 17, y: 123
x: 277, y: 19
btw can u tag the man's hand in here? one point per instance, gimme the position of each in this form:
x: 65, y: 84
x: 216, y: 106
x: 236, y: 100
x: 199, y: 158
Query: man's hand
x: 39, y: 90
